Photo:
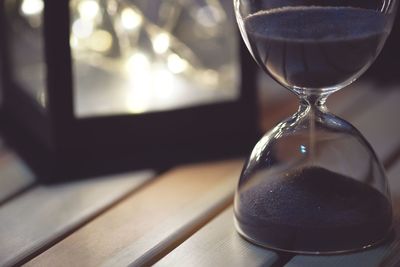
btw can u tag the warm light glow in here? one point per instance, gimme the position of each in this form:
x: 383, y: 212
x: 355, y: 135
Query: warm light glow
x: 138, y: 101
x: 130, y: 19
x: 163, y: 84
x: 100, y: 41
x: 176, y: 64
x: 82, y: 29
x: 138, y: 69
x: 210, y: 77
x: 161, y: 43
x: 32, y: 7
x: 137, y: 62
x: 73, y: 41
x: 88, y: 9
x: 209, y: 16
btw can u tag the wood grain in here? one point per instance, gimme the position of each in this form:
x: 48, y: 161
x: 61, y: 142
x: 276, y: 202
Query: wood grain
x: 157, y: 218
x: 150, y: 221
x: 369, y: 258
x: 217, y: 244
x: 46, y: 213
x: 379, y: 124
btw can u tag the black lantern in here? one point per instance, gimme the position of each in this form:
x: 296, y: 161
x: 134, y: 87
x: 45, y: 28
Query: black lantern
x: 107, y: 83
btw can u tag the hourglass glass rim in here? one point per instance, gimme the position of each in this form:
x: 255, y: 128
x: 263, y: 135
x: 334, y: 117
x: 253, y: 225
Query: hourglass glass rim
x: 371, y: 245
x: 369, y: 29
x: 313, y: 51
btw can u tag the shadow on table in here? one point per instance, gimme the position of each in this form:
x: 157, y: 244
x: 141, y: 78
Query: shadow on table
x: 50, y: 168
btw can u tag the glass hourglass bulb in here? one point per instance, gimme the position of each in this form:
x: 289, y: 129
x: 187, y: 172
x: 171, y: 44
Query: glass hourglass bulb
x: 313, y: 184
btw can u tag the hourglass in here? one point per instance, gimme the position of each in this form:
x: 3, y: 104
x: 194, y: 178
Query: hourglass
x: 313, y: 184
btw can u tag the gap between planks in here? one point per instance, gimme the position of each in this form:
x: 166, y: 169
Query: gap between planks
x: 381, y: 255
x: 202, y: 245
x: 169, y: 243
x: 150, y: 222
x: 47, y: 213
x: 85, y: 221
x: 155, y: 250
x: 380, y: 129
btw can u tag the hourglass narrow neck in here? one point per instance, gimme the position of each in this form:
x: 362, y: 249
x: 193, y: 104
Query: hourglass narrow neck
x: 313, y: 103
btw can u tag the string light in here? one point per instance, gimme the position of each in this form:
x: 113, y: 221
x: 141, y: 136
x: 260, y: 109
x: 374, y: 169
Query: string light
x: 176, y: 64
x: 161, y: 43
x: 32, y: 7
x: 88, y: 9
x: 130, y: 19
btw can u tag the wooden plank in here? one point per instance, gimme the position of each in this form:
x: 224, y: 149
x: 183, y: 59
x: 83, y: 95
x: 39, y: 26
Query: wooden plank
x: 152, y: 239
x: 120, y: 237
x: 45, y: 214
x: 150, y: 222
x: 15, y: 176
x: 218, y: 244
x: 380, y: 126
x: 369, y: 258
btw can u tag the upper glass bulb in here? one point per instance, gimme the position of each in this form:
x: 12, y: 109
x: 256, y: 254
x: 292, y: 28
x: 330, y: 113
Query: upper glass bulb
x: 317, y: 46
x: 313, y: 184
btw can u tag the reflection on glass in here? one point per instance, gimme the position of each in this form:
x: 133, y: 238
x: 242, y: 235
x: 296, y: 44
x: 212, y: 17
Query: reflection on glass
x: 26, y: 46
x: 134, y: 56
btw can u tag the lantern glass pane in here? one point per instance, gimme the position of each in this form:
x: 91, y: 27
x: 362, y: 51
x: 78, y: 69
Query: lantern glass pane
x: 26, y: 46
x: 136, y: 56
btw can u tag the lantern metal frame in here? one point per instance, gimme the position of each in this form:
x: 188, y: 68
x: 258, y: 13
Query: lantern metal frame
x: 57, y: 140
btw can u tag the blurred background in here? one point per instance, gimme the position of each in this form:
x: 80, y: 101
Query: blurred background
x: 134, y: 57
x: 139, y: 58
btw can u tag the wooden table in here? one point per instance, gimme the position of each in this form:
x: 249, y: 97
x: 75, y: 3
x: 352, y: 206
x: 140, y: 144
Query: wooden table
x: 182, y: 217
